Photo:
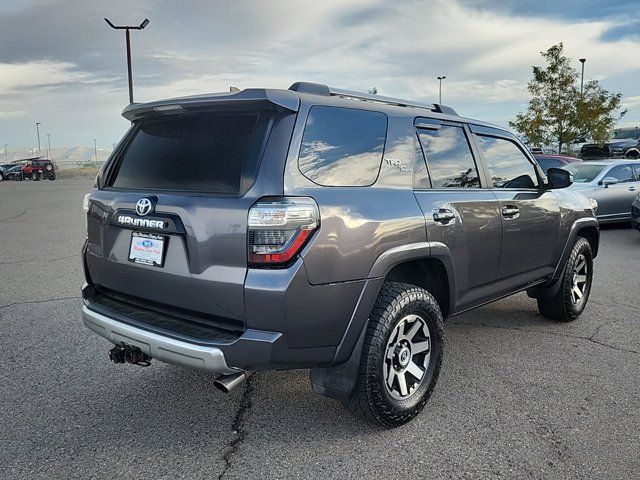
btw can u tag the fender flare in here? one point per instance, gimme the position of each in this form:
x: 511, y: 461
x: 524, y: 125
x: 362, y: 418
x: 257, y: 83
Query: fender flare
x: 339, y: 380
x: 576, y: 227
x: 549, y: 289
x: 632, y: 149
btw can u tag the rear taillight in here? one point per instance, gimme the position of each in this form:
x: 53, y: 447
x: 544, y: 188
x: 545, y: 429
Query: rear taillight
x: 278, y: 229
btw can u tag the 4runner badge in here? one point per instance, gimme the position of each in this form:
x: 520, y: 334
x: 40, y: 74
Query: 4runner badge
x: 144, y: 206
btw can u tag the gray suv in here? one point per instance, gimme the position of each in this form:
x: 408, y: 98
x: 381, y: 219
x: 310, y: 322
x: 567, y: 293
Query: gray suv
x: 322, y: 229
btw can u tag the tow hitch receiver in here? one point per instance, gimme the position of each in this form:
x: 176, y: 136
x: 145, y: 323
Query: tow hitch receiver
x: 124, y: 353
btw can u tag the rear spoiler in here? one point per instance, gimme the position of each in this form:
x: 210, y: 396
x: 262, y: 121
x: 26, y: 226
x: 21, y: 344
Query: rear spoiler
x: 280, y: 99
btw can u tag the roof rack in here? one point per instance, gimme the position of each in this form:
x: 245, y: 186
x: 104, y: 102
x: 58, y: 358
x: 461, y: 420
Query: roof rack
x: 319, y: 89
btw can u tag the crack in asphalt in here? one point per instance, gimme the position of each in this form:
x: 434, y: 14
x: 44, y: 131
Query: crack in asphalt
x: 48, y: 260
x: 14, y: 217
x: 578, y: 337
x: 238, y: 427
x: 30, y: 302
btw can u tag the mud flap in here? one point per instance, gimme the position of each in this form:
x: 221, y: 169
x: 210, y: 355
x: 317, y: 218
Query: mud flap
x: 338, y: 382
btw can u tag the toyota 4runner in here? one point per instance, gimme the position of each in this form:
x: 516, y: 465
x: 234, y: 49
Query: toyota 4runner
x: 323, y: 229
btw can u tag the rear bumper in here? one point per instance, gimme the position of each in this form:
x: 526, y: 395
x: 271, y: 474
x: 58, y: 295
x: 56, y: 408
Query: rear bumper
x: 157, y: 346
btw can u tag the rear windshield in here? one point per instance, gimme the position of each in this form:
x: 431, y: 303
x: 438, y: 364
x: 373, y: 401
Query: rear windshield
x: 584, y: 172
x: 208, y: 152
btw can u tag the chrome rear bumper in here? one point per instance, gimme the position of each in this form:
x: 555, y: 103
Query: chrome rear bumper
x: 158, y: 346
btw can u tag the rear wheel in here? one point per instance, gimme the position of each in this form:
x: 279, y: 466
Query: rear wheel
x: 571, y: 299
x: 52, y: 176
x: 401, y: 356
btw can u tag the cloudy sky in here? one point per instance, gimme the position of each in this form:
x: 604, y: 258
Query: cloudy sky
x: 60, y: 64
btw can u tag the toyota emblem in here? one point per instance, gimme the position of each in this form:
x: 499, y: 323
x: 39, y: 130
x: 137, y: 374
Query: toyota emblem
x: 144, y: 206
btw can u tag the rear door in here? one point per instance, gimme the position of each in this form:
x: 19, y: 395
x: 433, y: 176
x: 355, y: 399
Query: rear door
x: 459, y: 212
x: 169, y: 223
x: 614, y: 201
x: 530, y: 214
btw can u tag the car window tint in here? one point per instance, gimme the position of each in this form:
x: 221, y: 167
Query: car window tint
x: 547, y: 163
x: 622, y: 173
x: 636, y: 167
x: 342, y: 146
x: 449, y: 158
x: 508, y: 166
x: 208, y: 152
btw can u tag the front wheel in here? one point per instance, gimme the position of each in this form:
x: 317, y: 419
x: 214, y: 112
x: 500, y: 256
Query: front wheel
x: 571, y: 298
x: 35, y: 176
x: 401, y: 357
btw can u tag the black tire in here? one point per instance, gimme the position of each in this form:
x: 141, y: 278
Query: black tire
x: 35, y: 176
x: 52, y: 177
x: 372, y: 398
x: 562, y: 306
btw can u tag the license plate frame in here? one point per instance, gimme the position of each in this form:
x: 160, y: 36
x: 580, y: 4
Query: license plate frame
x: 151, y: 254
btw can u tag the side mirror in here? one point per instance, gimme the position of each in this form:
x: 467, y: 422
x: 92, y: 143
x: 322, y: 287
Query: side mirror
x: 559, y: 178
x: 609, y: 181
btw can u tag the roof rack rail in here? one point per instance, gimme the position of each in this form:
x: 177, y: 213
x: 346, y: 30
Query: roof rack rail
x: 319, y: 89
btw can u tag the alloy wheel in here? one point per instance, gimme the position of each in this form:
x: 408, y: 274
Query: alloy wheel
x: 579, y: 280
x: 407, y: 357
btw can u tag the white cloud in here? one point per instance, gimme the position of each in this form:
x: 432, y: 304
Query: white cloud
x: 398, y: 46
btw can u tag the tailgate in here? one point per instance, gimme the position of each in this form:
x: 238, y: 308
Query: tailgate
x: 169, y: 223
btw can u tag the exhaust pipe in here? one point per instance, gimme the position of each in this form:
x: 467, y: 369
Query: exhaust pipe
x: 226, y: 383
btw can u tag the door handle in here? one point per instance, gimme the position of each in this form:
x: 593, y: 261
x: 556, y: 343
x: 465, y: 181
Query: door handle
x: 510, y: 211
x: 632, y: 189
x: 443, y: 215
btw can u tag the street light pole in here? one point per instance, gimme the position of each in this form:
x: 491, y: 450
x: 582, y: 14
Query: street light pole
x: 95, y: 149
x: 582, y: 60
x: 49, y: 146
x: 38, y: 132
x: 126, y: 28
x: 6, y: 157
x: 440, y: 88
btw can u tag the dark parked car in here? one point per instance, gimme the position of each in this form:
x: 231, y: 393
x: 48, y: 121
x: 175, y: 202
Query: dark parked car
x: 554, y: 161
x: 325, y: 229
x: 14, y: 172
x: 624, y: 144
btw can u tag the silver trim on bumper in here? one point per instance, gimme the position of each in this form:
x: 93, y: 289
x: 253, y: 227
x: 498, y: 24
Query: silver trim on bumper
x: 158, y: 346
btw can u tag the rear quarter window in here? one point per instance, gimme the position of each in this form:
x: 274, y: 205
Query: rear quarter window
x: 342, y: 146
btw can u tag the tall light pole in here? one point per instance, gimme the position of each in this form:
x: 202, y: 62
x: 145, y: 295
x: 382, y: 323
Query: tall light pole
x: 582, y: 60
x: 38, y: 132
x: 440, y: 88
x: 95, y: 149
x: 49, y: 146
x: 126, y: 28
x: 6, y: 157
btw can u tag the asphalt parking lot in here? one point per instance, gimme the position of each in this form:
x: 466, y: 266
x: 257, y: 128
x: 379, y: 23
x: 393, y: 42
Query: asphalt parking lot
x: 518, y: 397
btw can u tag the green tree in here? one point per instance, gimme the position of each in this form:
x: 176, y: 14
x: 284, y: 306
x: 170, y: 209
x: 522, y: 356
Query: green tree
x: 557, y: 114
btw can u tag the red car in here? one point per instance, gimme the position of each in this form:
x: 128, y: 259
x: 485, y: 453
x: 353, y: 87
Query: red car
x: 554, y: 161
x: 38, y: 169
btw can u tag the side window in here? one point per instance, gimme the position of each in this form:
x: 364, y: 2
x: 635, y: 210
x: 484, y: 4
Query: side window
x: 508, y: 166
x: 449, y: 158
x: 623, y: 173
x: 342, y: 146
x: 636, y: 167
